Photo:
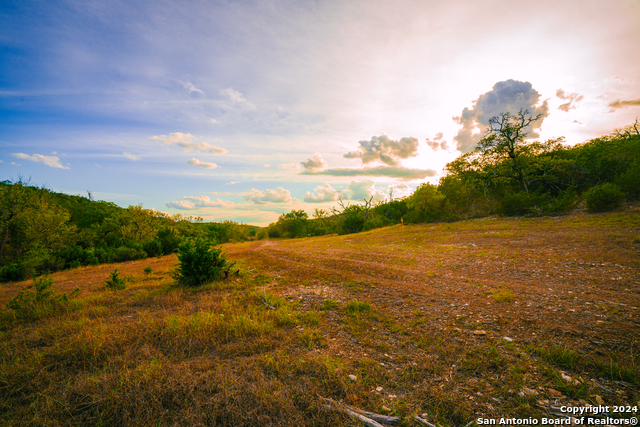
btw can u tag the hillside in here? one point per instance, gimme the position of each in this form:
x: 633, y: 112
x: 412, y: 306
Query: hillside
x: 482, y: 318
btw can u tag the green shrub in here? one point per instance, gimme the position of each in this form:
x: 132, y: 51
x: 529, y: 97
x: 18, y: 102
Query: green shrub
x: 44, y: 301
x: 200, y: 262
x: 629, y: 181
x: 169, y: 240
x: 153, y: 248
x: 147, y: 270
x: 603, y: 197
x: 352, y: 219
x: 12, y: 273
x: 115, y: 282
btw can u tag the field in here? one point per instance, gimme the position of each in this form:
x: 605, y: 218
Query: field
x: 451, y: 322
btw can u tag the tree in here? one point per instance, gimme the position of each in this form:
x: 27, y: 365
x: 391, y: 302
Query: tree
x: 504, y: 139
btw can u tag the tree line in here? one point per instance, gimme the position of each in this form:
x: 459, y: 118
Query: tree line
x: 42, y: 231
x: 505, y: 175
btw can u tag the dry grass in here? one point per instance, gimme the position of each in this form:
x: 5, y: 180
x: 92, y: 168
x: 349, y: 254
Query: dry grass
x: 420, y: 311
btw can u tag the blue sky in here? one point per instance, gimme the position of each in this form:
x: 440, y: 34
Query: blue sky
x: 244, y: 110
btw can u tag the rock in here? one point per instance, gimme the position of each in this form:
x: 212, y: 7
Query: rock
x: 507, y: 339
x: 353, y: 377
x: 480, y: 332
x: 378, y: 389
x: 566, y: 377
x: 392, y: 396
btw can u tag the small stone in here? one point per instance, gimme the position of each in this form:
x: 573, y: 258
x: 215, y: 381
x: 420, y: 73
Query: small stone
x: 385, y: 409
x: 566, y: 377
x: 353, y: 377
x: 507, y: 339
x: 378, y: 389
x: 392, y: 396
x: 480, y: 332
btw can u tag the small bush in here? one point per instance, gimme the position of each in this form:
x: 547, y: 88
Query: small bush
x: 12, y: 273
x: 603, y: 197
x: 44, y: 301
x: 115, y: 282
x: 200, y: 262
x: 147, y: 270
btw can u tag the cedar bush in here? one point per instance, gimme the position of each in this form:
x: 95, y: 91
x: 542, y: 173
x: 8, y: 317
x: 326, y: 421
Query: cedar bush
x: 200, y: 262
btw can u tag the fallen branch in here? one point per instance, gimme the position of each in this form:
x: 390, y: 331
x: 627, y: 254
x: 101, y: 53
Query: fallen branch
x: 423, y: 421
x: 369, y: 418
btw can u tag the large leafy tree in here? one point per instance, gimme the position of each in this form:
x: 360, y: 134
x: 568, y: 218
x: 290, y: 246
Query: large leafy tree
x: 504, y: 140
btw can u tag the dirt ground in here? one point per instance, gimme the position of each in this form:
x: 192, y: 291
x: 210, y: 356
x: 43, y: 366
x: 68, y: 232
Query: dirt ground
x: 478, y: 319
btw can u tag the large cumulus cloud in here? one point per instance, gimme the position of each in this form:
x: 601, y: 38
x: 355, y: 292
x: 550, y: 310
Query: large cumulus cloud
x: 509, y: 96
x: 384, y: 149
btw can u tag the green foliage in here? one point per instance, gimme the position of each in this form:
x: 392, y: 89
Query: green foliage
x: 115, y: 282
x: 428, y: 202
x: 153, y: 248
x: 229, y: 231
x: 352, y: 219
x: 147, y: 270
x: 603, y: 197
x: 12, y: 272
x: 629, y: 181
x: 44, y: 301
x: 200, y: 262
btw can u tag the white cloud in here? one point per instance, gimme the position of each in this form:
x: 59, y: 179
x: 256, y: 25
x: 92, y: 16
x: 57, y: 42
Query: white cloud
x: 267, y: 165
x: 364, y: 190
x: 191, y: 88
x: 316, y: 164
x: 292, y: 165
x: 325, y: 193
x: 207, y: 165
x: 509, y: 96
x: 384, y: 149
x: 51, y: 161
x: 186, y: 141
x: 205, y: 201
x: 182, y: 204
x: 195, y: 202
x: 237, y: 98
x: 279, y: 195
x: 130, y: 156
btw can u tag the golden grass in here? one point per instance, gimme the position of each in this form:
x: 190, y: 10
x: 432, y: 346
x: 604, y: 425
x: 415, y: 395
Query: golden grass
x: 420, y: 311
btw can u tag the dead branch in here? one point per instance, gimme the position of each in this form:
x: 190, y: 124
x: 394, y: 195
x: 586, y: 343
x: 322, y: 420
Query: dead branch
x: 423, y: 421
x: 369, y: 418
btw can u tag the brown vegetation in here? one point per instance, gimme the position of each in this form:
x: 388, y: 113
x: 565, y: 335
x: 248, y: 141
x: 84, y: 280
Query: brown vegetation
x: 485, y: 318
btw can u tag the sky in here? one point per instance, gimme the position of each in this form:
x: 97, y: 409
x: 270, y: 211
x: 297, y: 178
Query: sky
x: 244, y: 110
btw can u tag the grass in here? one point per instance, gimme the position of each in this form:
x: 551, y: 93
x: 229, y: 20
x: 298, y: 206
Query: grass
x: 305, y: 314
